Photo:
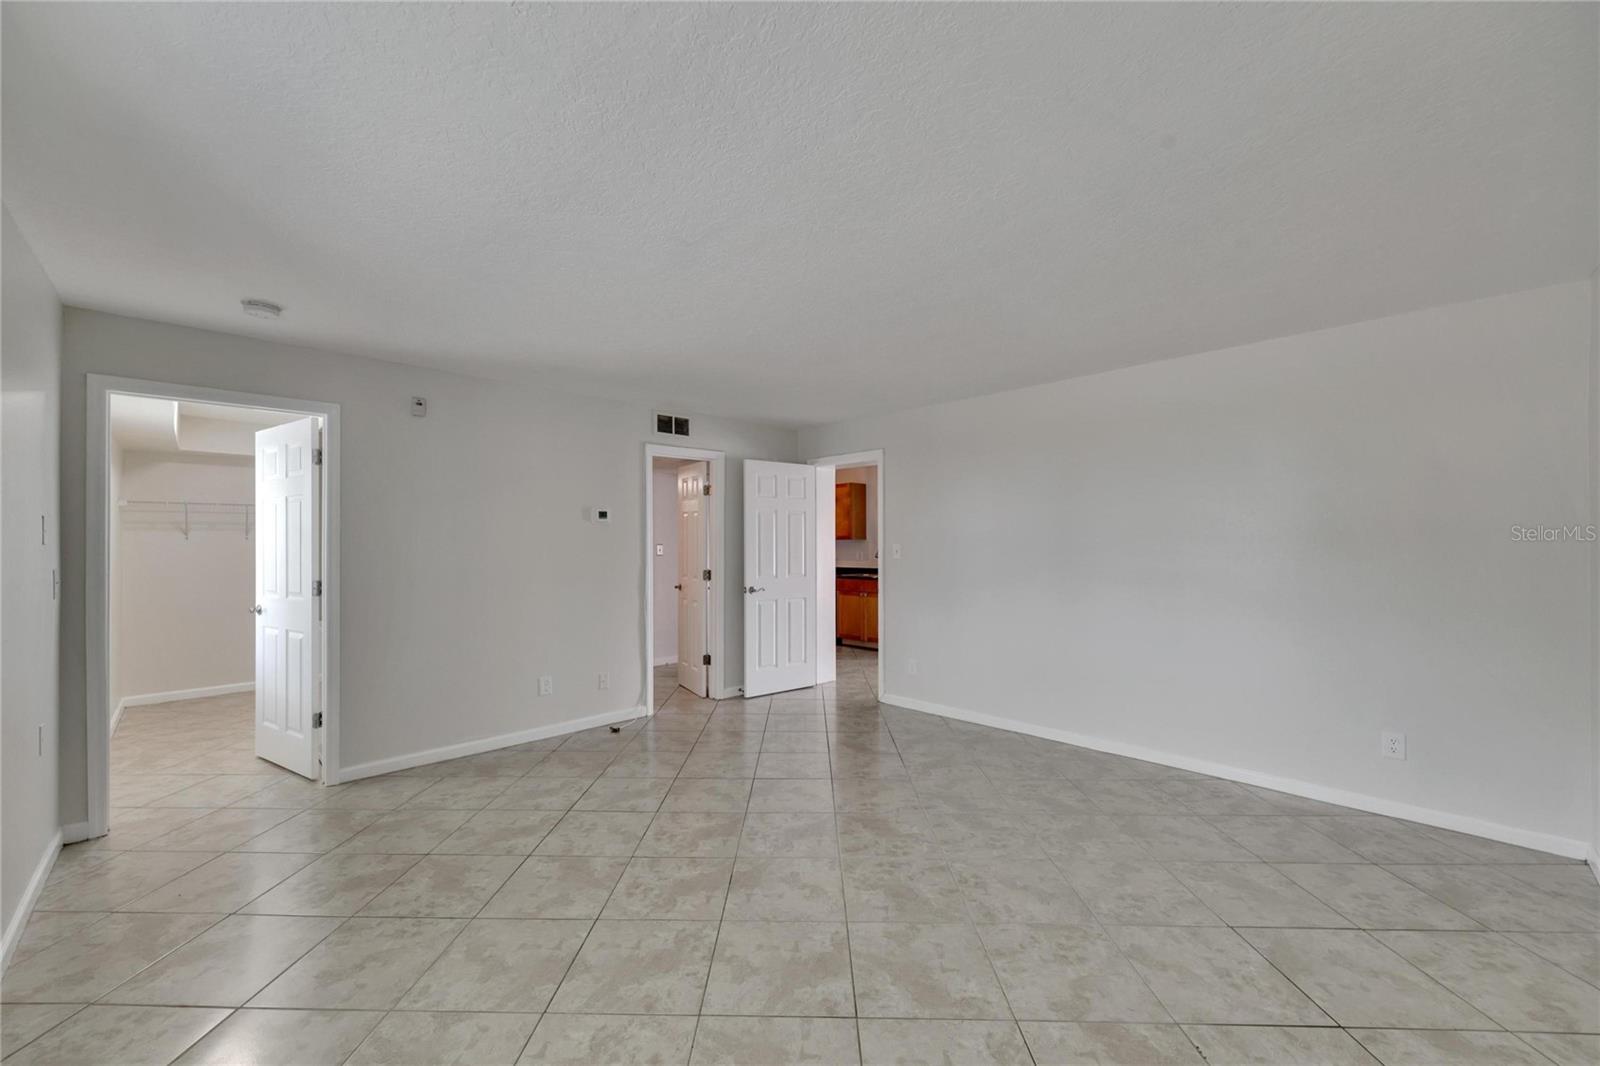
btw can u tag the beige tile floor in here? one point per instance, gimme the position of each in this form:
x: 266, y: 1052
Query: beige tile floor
x: 811, y: 877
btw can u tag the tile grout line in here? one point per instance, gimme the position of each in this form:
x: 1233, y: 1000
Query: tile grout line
x: 967, y: 908
x: 733, y: 867
x: 844, y: 899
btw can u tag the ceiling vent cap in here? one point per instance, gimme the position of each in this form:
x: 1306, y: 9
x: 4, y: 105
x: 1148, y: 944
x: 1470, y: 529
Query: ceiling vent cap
x: 261, y: 308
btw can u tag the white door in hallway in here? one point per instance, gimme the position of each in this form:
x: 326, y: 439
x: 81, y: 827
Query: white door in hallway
x: 694, y: 562
x: 288, y: 604
x: 780, y: 591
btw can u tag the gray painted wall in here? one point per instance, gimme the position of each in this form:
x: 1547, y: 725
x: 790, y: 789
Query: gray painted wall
x: 1263, y: 557
x: 30, y: 375
x: 469, y: 568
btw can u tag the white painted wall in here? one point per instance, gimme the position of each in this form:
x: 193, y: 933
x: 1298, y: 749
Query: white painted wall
x: 664, y: 500
x: 30, y: 371
x: 216, y: 435
x: 1262, y: 557
x: 181, y: 620
x: 469, y: 569
x: 860, y: 552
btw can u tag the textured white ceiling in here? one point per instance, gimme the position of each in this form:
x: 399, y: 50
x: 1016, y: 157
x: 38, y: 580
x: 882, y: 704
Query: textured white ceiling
x: 791, y: 211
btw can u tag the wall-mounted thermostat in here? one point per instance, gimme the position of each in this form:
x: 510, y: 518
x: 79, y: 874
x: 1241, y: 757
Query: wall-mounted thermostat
x: 599, y: 514
x: 419, y: 406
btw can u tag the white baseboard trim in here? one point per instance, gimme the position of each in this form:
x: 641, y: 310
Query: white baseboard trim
x: 1505, y: 834
x: 478, y: 747
x: 177, y: 694
x: 1594, y: 863
x: 188, y: 694
x: 668, y: 661
x: 17, y: 921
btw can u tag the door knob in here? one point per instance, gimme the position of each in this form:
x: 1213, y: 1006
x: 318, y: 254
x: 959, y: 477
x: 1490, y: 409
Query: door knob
x: 678, y: 587
x: 752, y: 589
x: 257, y: 609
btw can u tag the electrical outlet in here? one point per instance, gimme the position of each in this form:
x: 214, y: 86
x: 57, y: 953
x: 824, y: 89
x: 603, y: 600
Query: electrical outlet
x: 911, y: 667
x: 547, y: 685
x: 604, y: 681
x: 1393, y: 745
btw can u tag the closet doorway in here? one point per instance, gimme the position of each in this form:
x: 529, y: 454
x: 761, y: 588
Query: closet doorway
x: 211, y: 600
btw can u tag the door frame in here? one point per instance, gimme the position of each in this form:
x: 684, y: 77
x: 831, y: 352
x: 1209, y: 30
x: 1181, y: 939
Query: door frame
x: 871, y: 457
x: 97, y: 567
x: 717, y: 464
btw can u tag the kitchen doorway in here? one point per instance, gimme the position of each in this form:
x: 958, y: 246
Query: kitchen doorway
x: 854, y: 559
x: 855, y: 516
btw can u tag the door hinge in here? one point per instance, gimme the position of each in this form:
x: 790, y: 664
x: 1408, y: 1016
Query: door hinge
x: 705, y: 575
x: 707, y: 488
x: 316, y: 720
x: 705, y: 660
x: 316, y: 587
x: 316, y: 456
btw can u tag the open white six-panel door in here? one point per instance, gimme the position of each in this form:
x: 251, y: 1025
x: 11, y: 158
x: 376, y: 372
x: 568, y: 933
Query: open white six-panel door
x: 780, y: 562
x: 288, y: 594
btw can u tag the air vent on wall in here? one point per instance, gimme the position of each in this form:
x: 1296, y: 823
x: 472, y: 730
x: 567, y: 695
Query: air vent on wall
x: 673, y: 425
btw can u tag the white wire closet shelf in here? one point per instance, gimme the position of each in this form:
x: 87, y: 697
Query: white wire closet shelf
x: 190, y: 516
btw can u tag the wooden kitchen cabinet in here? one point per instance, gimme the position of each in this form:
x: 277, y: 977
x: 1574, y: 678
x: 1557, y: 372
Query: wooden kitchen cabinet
x: 850, y: 511
x: 856, y: 609
x: 851, y: 615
